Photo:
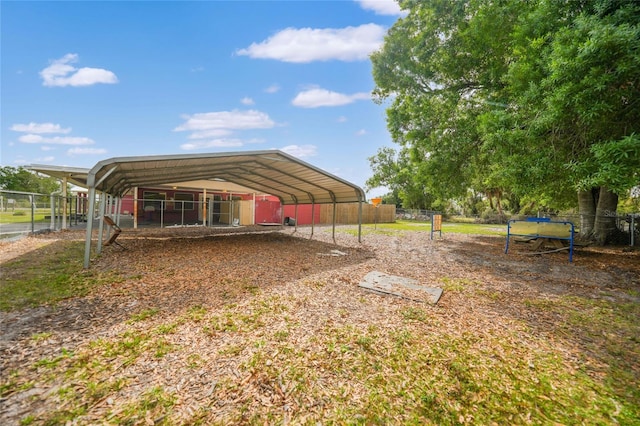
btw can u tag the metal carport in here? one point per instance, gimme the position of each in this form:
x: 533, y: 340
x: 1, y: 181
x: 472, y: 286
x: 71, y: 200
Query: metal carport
x: 270, y: 171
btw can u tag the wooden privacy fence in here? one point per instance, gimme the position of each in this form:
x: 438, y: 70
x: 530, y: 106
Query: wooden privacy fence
x: 347, y: 213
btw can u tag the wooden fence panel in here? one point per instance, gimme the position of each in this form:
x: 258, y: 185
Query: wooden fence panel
x: 347, y: 213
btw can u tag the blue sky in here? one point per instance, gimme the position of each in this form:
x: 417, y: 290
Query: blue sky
x: 86, y: 81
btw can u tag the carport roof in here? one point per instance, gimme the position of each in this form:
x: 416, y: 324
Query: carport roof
x: 74, y: 175
x: 270, y: 172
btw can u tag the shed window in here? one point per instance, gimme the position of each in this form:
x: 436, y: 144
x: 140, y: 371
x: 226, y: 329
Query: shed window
x: 183, y: 199
x: 154, y: 201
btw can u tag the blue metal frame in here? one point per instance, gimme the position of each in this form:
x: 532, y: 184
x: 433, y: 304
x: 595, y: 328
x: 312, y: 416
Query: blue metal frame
x: 542, y: 220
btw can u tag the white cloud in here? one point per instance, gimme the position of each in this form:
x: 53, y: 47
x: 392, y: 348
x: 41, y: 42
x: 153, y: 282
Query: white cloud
x: 247, y: 101
x: 40, y: 128
x: 342, y: 119
x: 197, y: 69
x: 215, y: 143
x: 215, y: 133
x: 302, y: 45
x: 57, y: 140
x: 61, y: 73
x: 361, y: 132
x: 216, y: 126
x: 34, y: 135
x: 382, y: 7
x: 235, y: 119
x: 274, y: 88
x: 314, y: 98
x: 86, y: 151
x: 48, y: 159
x: 300, y: 151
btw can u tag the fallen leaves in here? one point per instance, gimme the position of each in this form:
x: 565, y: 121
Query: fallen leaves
x: 261, y: 328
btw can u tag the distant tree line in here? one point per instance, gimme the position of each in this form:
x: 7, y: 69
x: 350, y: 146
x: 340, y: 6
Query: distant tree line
x: 21, y: 179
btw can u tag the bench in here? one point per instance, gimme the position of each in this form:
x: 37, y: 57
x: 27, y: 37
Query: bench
x: 116, y: 231
x: 543, y: 230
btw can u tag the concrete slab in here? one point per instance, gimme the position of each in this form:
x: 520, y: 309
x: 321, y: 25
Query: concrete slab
x: 393, y: 285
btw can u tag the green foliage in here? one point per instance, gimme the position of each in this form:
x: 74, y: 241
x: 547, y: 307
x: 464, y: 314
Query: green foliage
x: 612, y: 164
x: 21, y: 179
x: 530, y: 100
x: 397, y: 172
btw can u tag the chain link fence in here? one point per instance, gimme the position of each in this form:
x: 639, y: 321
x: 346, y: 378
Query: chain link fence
x: 624, y: 228
x: 28, y: 212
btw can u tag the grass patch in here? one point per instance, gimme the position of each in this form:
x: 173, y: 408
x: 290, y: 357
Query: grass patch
x: 382, y: 374
x: 266, y: 365
x: 606, y: 331
x: 420, y: 371
x: 154, y: 405
x: 24, y: 216
x: 196, y: 313
x: 39, y: 337
x: 143, y: 315
x: 409, y: 226
x: 49, y: 274
x: 474, y: 229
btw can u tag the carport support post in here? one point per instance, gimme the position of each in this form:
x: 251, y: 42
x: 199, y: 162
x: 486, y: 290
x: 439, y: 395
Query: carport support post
x: 64, y: 202
x: 91, y: 199
x: 103, y: 203
x: 313, y: 217
x: 333, y: 229
x: 360, y: 221
x: 135, y: 207
x: 52, y: 225
x: 204, y: 207
x: 108, y: 212
x: 118, y: 210
x: 232, y: 214
x: 33, y: 213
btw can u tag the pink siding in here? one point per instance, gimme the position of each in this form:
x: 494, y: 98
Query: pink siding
x: 268, y: 210
x: 127, y: 205
x: 304, y: 213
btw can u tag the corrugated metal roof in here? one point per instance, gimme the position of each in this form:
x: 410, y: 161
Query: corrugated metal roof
x: 74, y: 175
x: 269, y: 172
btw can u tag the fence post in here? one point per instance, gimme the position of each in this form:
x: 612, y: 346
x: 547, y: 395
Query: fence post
x: 33, y: 213
x: 52, y: 225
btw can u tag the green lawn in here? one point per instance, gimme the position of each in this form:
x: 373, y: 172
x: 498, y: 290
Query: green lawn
x: 46, y: 275
x: 447, y: 227
x: 24, y: 216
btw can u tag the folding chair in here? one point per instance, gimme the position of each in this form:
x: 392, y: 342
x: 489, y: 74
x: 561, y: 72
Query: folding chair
x: 116, y: 231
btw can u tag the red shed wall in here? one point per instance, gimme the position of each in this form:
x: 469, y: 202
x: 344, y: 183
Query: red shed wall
x: 304, y: 213
x: 267, y: 209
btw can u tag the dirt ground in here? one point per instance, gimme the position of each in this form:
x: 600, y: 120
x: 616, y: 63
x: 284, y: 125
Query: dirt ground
x: 174, y: 270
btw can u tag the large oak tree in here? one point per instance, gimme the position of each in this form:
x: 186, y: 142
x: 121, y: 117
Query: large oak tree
x: 540, y: 99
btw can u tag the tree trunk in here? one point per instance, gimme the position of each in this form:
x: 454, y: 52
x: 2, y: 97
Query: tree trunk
x: 605, y: 223
x: 498, y: 203
x: 587, y: 207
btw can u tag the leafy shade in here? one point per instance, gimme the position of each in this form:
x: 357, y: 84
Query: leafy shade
x: 531, y: 100
x: 21, y: 179
x: 613, y: 164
